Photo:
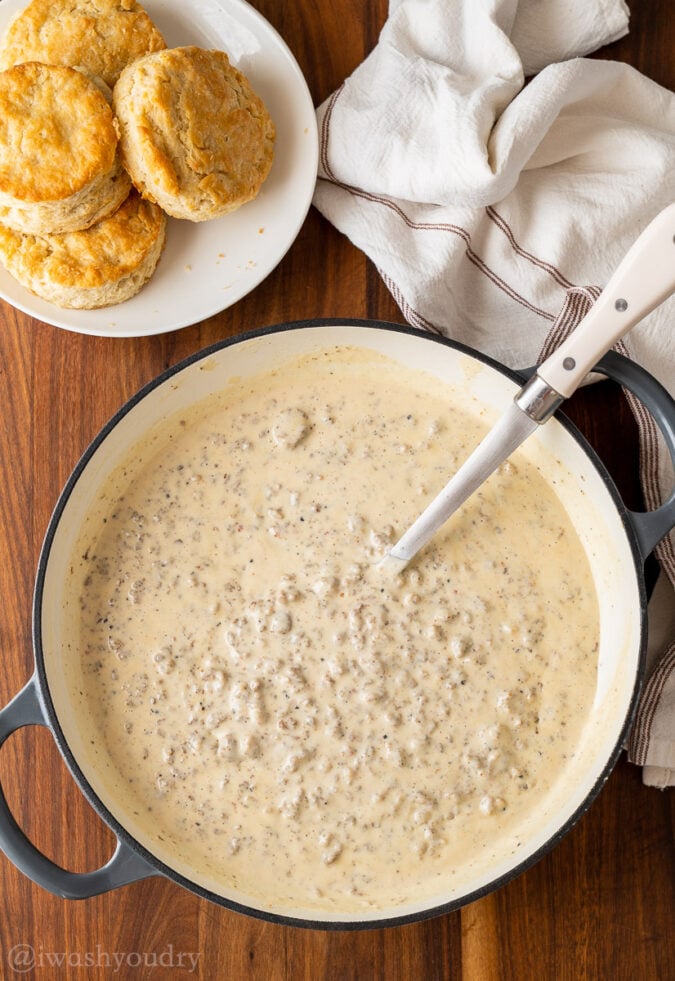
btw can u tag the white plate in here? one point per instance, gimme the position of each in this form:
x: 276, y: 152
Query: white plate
x: 207, y: 266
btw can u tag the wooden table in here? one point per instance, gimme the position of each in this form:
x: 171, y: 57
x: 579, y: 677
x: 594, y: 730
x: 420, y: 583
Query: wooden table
x: 600, y: 906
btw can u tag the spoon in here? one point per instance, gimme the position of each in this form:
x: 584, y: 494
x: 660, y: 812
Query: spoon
x: 644, y: 279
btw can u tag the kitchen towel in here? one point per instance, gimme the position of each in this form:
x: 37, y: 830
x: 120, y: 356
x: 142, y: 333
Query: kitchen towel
x: 496, y: 176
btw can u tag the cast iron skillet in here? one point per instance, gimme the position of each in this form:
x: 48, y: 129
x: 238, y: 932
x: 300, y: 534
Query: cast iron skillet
x: 33, y: 705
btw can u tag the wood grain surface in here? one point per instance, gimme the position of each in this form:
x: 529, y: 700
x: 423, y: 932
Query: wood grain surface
x: 601, y: 905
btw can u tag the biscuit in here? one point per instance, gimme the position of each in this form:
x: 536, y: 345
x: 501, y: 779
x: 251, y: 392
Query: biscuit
x: 102, y: 265
x: 99, y: 36
x: 194, y: 136
x: 60, y: 169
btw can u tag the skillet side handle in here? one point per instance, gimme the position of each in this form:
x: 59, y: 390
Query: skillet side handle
x: 124, y: 867
x: 651, y: 526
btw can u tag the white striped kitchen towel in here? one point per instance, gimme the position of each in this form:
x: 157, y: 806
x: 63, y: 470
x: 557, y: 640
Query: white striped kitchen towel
x: 494, y: 174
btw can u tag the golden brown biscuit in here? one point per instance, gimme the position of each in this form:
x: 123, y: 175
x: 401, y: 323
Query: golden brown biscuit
x: 194, y: 135
x: 104, y: 264
x: 99, y: 36
x: 60, y: 169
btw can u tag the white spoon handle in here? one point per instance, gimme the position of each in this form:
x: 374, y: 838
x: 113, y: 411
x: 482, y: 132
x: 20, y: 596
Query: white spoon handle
x: 644, y: 278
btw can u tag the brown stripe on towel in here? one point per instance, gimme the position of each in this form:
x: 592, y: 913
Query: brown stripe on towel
x: 578, y: 301
x: 548, y: 267
x: 638, y: 743
x: 387, y: 202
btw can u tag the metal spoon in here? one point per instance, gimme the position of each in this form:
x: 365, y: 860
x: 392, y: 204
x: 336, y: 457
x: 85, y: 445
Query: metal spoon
x: 643, y: 280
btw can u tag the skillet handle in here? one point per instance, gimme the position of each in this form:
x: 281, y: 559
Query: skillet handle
x: 651, y: 526
x: 124, y: 867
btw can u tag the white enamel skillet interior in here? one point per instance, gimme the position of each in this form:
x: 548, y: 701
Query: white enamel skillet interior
x: 615, y: 540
